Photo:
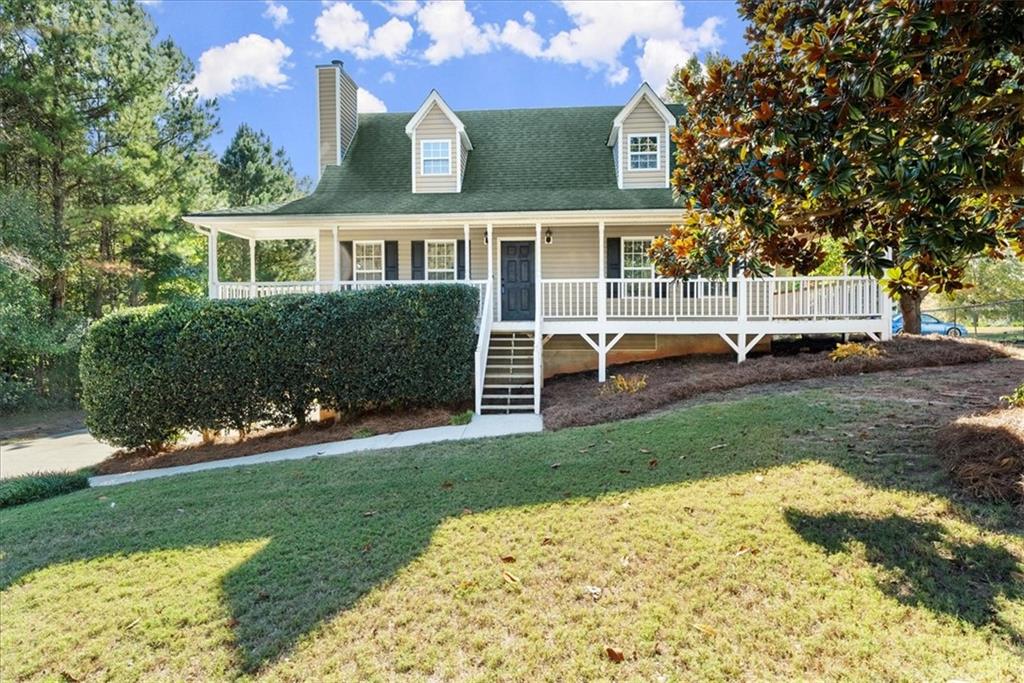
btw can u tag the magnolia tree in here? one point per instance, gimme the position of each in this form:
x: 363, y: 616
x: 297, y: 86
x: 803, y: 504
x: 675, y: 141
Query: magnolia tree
x: 895, y: 127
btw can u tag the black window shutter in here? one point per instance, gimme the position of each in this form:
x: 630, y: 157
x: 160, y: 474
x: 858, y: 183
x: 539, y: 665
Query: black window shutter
x: 418, y: 260
x: 347, y: 272
x: 460, y: 260
x: 391, y: 260
x: 613, y: 261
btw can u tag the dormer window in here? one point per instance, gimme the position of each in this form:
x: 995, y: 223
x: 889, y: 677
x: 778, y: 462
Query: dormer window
x: 643, y: 152
x: 436, y: 157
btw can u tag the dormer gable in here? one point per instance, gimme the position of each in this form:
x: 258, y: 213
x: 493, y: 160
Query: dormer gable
x: 440, y: 147
x: 640, y: 143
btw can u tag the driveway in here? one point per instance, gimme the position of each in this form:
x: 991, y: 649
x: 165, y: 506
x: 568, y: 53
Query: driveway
x: 30, y: 448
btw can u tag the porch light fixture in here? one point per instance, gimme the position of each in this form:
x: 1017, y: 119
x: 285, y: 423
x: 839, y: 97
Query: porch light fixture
x: 547, y: 236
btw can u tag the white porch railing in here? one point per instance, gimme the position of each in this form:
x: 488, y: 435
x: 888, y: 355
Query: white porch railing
x: 776, y: 298
x: 483, y: 343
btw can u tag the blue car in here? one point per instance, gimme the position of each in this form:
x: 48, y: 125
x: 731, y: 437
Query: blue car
x: 931, y: 325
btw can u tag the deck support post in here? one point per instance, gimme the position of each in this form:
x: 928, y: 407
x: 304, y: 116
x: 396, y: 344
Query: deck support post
x: 465, y: 233
x: 602, y: 356
x: 337, y: 258
x: 741, y: 347
x: 212, y: 276
x: 252, y: 268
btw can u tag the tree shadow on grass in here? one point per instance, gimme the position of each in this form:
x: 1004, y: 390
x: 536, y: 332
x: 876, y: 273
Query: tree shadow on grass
x: 925, y: 567
x: 339, y: 527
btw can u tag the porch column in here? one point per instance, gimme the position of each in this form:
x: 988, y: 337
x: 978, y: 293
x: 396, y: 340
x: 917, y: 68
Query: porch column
x: 465, y: 233
x: 538, y: 297
x: 538, y: 344
x: 602, y: 271
x: 741, y: 315
x: 337, y: 258
x: 252, y: 268
x: 886, y: 303
x: 490, y: 254
x: 212, y: 276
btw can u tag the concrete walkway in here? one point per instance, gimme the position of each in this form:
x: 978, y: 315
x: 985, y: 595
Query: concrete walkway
x: 54, y: 453
x: 481, y: 426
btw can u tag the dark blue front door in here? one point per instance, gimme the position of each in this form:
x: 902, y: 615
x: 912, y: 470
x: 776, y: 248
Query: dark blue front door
x: 517, y: 285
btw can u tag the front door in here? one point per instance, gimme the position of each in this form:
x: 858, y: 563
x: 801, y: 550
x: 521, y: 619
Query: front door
x: 517, y: 285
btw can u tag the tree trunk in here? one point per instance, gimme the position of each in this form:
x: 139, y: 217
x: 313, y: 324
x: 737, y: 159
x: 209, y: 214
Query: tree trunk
x: 910, y: 308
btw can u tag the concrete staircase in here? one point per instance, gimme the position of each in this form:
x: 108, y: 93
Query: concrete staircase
x: 509, y: 384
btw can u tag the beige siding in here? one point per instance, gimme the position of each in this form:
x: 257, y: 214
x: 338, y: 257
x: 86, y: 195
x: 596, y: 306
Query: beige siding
x: 327, y: 96
x: 464, y: 158
x: 349, y: 118
x: 434, y: 126
x: 643, y: 120
x: 325, y: 261
x: 405, y: 238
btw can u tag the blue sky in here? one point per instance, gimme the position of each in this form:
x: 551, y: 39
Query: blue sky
x: 257, y: 56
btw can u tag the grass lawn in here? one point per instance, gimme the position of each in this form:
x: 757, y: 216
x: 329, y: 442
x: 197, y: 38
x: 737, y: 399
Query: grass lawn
x: 805, y: 534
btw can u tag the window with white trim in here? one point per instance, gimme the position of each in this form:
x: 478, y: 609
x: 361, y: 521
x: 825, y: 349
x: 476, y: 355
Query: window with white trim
x: 436, y: 157
x: 441, y: 260
x: 644, y: 153
x: 368, y: 260
x: 636, y: 264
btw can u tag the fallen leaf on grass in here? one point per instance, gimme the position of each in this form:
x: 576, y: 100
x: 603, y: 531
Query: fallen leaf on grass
x: 614, y: 654
x: 447, y: 485
x: 759, y: 478
x: 369, y: 513
x: 508, y: 559
x: 510, y: 577
x: 623, y: 471
x: 467, y: 511
x: 555, y: 465
x: 367, y: 548
x: 653, y: 464
x: 659, y: 649
x: 744, y: 550
x: 547, y: 541
x: 645, y: 450
x: 715, y: 448
x: 706, y: 630
x: 593, y: 591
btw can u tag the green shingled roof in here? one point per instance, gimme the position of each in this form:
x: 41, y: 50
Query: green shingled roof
x: 522, y: 160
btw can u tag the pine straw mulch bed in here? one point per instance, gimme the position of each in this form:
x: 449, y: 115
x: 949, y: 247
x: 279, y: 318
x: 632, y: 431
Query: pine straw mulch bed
x: 224, y: 447
x: 575, y: 400
x: 984, y: 454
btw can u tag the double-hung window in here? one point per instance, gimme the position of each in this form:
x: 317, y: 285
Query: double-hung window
x: 368, y: 260
x: 441, y: 260
x: 644, y: 153
x: 436, y: 157
x: 637, y: 265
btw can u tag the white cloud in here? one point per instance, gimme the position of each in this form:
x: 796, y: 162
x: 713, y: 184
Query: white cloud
x: 277, y: 14
x: 453, y: 31
x: 252, y: 61
x: 342, y: 27
x: 602, y: 30
x: 522, y: 37
x: 401, y: 8
x: 368, y: 103
x: 387, y: 77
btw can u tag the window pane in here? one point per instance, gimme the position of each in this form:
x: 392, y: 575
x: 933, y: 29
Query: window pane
x: 635, y: 262
x: 441, y: 260
x: 436, y: 158
x: 369, y: 261
x: 643, y: 152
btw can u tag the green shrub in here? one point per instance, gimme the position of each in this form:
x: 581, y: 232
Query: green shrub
x: 32, y: 487
x: 150, y: 374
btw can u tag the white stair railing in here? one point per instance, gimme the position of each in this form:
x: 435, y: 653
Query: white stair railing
x: 483, y: 342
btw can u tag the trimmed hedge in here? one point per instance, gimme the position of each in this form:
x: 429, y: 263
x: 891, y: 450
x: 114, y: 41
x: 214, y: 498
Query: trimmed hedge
x: 32, y: 487
x: 151, y: 374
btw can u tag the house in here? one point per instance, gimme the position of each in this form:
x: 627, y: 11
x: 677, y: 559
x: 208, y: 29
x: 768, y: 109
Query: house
x: 549, y: 214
